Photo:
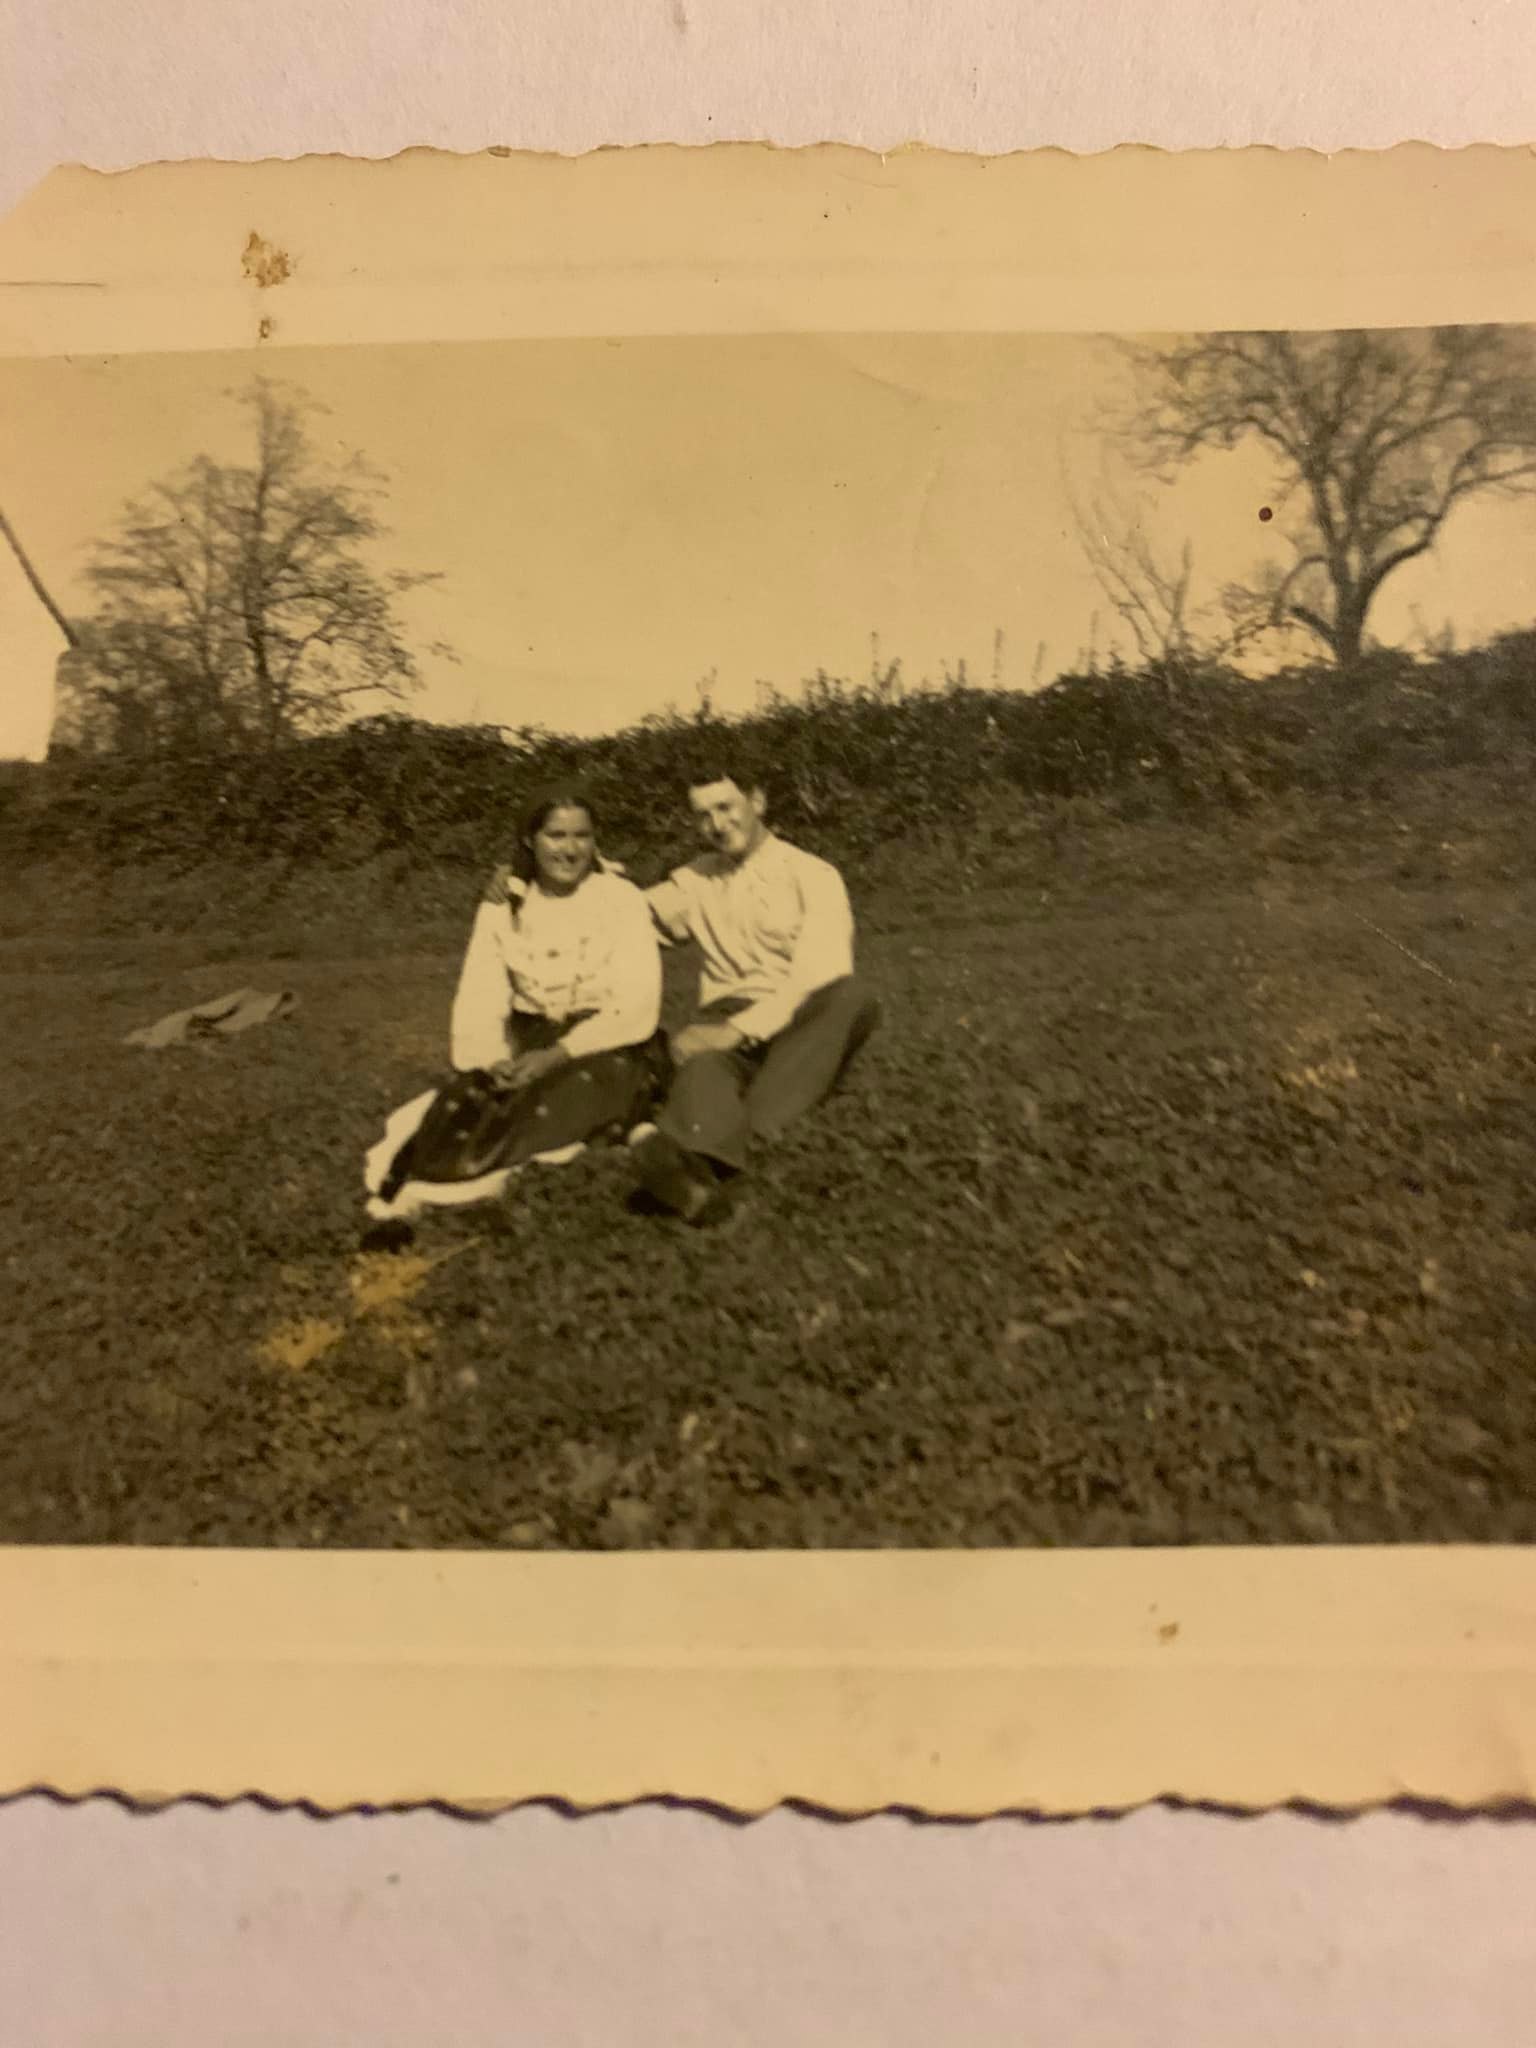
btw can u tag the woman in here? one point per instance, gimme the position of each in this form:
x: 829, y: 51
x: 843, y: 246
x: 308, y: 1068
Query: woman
x: 554, y: 1023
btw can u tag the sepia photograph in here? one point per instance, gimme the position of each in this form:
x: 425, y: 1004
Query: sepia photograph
x: 771, y: 941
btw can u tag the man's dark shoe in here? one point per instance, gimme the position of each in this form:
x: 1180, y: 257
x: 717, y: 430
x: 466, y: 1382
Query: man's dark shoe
x: 675, y: 1178
x: 723, y: 1208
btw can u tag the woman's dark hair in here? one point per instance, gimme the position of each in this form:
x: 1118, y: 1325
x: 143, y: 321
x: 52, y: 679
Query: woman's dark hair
x: 536, y: 813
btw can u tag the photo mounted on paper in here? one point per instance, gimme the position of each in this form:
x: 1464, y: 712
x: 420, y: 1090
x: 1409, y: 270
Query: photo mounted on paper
x: 770, y: 940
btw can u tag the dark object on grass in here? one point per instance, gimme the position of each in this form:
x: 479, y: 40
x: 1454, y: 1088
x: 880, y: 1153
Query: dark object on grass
x: 393, y: 1235
x: 220, y: 1018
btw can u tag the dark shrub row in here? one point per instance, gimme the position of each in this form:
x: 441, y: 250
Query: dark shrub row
x: 849, y: 767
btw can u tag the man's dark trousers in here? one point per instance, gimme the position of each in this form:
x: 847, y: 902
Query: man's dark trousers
x: 720, y: 1102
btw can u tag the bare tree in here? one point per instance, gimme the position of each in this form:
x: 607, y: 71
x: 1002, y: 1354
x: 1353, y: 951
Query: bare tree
x: 235, y: 604
x: 1149, y: 594
x: 1375, y: 438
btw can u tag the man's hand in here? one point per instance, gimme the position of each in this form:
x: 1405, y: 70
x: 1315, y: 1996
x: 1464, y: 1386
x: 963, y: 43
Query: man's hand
x: 696, y: 1038
x: 528, y: 1067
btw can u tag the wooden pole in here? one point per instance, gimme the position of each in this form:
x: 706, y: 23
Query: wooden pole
x: 36, y: 581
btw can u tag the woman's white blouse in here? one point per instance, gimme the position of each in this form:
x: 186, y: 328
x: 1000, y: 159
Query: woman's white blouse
x: 554, y: 956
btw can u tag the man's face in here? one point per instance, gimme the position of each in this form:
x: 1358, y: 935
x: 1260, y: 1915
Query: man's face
x: 730, y: 820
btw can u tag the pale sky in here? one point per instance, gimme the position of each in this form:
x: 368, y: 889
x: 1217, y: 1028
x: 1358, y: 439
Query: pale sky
x: 614, y: 519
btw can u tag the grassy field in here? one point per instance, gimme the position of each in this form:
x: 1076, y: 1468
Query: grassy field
x: 1174, y: 1202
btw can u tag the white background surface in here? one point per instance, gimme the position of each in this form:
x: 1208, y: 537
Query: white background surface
x: 657, y: 1926
x: 112, y: 83
x: 653, y: 1928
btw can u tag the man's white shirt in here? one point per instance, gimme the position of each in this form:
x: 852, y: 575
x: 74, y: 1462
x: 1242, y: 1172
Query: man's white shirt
x: 772, y: 929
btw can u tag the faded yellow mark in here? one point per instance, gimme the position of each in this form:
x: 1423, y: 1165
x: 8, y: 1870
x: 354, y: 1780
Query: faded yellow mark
x: 382, y: 1286
x: 413, y: 1340
x: 297, y: 1345
x: 383, y: 1280
x: 264, y: 263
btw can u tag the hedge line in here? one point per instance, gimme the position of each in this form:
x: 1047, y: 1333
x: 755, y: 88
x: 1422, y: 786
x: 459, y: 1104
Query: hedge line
x: 848, y: 766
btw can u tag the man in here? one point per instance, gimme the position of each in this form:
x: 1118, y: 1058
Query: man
x: 780, y: 1011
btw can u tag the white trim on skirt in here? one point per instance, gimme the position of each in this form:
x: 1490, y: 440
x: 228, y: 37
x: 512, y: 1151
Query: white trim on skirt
x: 416, y: 1195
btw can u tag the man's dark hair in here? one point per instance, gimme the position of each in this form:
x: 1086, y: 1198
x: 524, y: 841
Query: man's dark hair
x: 725, y: 764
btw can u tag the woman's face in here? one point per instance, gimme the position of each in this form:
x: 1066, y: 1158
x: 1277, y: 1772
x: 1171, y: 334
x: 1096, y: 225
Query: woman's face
x: 563, y: 848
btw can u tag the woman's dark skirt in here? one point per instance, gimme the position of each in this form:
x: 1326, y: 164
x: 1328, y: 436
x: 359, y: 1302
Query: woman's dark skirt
x: 475, y: 1127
